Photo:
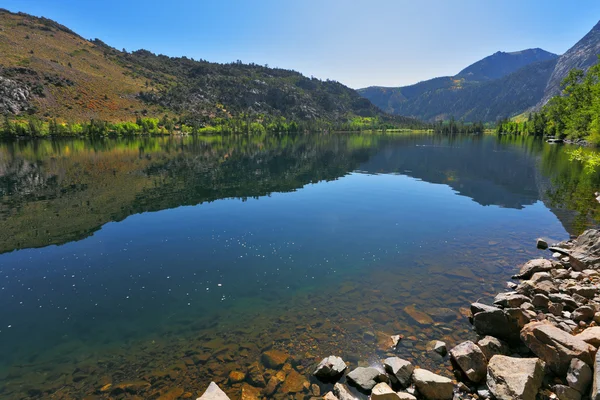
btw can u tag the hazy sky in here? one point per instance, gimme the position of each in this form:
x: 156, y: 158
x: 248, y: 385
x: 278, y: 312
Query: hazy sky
x: 359, y: 43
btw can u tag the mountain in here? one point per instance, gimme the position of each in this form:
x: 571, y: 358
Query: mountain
x: 583, y: 55
x: 49, y: 71
x: 501, y: 64
x: 496, y: 87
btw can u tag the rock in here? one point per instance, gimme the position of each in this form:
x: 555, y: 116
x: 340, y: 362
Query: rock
x: 493, y: 321
x: 567, y: 301
x: 512, y: 378
x: 432, y: 386
x: 555, y: 346
x: 236, y: 376
x: 172, y: 394
x: 591, y: 336
x: 579, y: 375
x: 510, y: 299
x: 419, y: 316
x: 586, y: 249
x: 274, y: 359
x: 541, y: 244
x: 406, y: 396
x: 556, y: 309
x: 470, y: 360
x: 255, y: 375
x: 213, y: 392
x: 533, y: 266
x: 540, y: 300
x: 294, y: 383
x: 315, y: 390
x: 490, y: 346
x: 330, y: 368
x: 382, y: 391
x: 342, y: 392
x: 364, y: 378
x: 587, y: 292
x: 400, y: 369
x: 248, y: 392
x: 566, y: 393
x: 330, y: 396
x: 584, y: 313
x: 595, y: 394
x: 437, y: 346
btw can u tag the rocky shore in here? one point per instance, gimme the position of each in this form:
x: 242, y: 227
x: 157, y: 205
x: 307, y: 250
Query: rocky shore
x: 539, y: 340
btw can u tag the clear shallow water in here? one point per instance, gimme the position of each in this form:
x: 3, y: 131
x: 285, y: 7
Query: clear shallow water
x: 225, y: 248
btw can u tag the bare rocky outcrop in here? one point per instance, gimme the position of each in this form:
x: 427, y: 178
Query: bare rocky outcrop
x: 14, y: 96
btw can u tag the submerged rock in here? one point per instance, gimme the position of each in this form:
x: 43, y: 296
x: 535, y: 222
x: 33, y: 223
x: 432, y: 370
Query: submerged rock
x: 555, y: 346
x: 213, y: 392
x: 294, y: 383
x: 330, y: 368
x: 512, y: 378
x: 433, y: 386
x: 274, y: 358
x: 419, y: 316
x: 470, y: 360
x: 401, y: 370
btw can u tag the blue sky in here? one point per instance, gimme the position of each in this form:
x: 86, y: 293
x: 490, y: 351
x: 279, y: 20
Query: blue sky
x: 359, y: 43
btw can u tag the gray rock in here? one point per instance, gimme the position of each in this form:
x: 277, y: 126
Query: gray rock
x: 490, y: 346
x: 585, y: 291
x: 342, y: 392
x: 567, y: 301
x: 510, y: 299
x: 469, y: 358
x: 432, y: 386
x: 579, y: 375
x: 400, y: 369
x: 533, y: 266
x: 330, y: 368
x: 540, y: 300
x: 364, y: 378
x: 511, y: 378
x: 556, y: 309
x: 583, y: 313
x: 555, y: 346
x: 213, y: 392
x: 566, y: 393
x: 541, y: 244
x: 586, y: 249
x: 595, y: 394
x: 493, y: 321
x: 437, y: 346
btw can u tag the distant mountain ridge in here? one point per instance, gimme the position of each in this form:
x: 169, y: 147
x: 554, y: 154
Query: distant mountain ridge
x: 499, y: 86
x: 48, y: 71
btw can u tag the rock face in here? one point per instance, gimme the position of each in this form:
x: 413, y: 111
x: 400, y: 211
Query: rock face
x: 432, y: 386
x: 213, y: 392
x: 364, y: 378
x: 399, y: 369
x: 555, y: 346
x: 579, y: 375
x: 330, y: 368
x: 14, y: 97
x: 595, y: 394
x: 515, y: 378
x: 469, y: 358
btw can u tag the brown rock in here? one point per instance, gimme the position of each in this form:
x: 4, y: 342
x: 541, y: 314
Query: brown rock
x: 255, y: 375
x: 294, y: 383
x: 555, y: 346
x: 419, y: 316
x: 382, y: 391
x: 248, y: 392
x: 172, y: 394
x: 433, y: 386
x: 533, y: 266
x: 274, y: 358
x: 591, y: 336
x: 236, y: 376
x: 470, y: 360
x: 511, y: 378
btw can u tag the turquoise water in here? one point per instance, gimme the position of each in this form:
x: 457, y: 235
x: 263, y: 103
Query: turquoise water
x: 124, y: 257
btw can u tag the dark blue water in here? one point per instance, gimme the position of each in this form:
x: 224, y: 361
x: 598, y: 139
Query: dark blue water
x: 299, y: 243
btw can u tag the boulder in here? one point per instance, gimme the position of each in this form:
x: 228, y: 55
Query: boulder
x: 294, y: 383
x: 567, y: 301
x: 583, y: 313
x: 330, y: 368
x: 555, y: 346
x: 541, y: 244
x: 342, y: 392
x: 512, y: 378
x: 591, y: 336
x: 364, y: 378
x: 469, y: 358
x: 437, y: 346
x: 490, y: 346
x: 330, y: 396
x: 406, y: 396
x: 399, y: 369
x: 255, y: 375
x: 382, y: 391
x: 248, y: 392
x: 213, y: 392
x: 579, y: 375
x: 540, y: 300
x: 510, y: 299
x: 494, y: 321
x: 432, y: 386
x: 533, y: 266
x: 586, y: 249
x: 420, y: 317
x: 595, y: 394
x: 566, y: 393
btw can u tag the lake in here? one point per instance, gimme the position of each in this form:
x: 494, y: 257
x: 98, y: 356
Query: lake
x: 150, y: 266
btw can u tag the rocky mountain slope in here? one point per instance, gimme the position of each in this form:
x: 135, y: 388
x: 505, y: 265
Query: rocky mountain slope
x: 583, y: 55
x: 49, y: 71
x: 500, y: 86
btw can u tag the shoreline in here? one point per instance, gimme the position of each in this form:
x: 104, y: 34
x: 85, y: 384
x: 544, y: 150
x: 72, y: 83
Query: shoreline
x: 538, y: 340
